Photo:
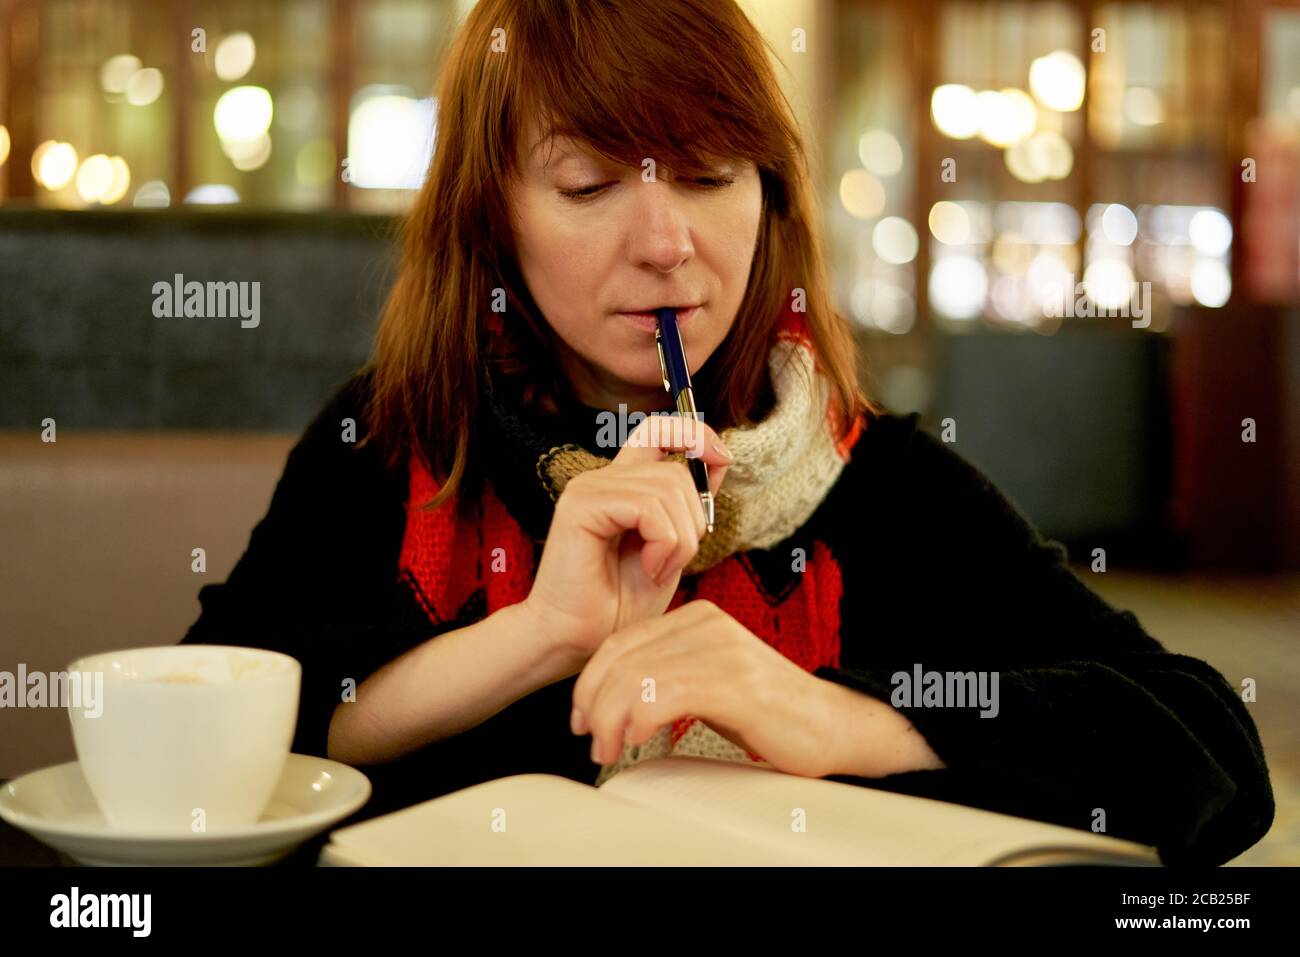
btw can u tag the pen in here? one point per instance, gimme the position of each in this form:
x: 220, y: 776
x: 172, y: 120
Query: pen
x: 677, y: 382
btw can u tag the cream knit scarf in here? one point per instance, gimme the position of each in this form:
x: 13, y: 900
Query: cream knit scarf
x: 782, y: 467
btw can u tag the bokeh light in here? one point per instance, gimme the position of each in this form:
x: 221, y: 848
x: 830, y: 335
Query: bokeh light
x: 949, y: 223
x: 153, y: 194
x: 895, y: 241
x: 1109, y: 283
x: 94, y: 177
x: 234, y: 57
x: 248, y: 155
x: 862, y: 194
x: 958, y: 287
x: 212, y: 194
x: 54, y: 164
x: 955, y: 111
x: 1052, y: 154
x: 390, y: 139
x: 115, y: 72
x: 144, y: 86
x: 121, y: 181
x: 243, y: 114
x: 880, y: 152
x: 1211, y: 285
x: 1143, y: 106
x: 1210, y: 232
x: 1050, y: 279
x: 1005, y: 116
x: 1119, y: 225
x: 1058, y: 80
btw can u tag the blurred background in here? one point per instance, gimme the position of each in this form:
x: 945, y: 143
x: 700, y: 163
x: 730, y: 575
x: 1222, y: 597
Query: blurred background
x: 983, y: 167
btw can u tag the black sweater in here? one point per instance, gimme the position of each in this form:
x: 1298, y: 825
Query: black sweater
x: 939, y: 570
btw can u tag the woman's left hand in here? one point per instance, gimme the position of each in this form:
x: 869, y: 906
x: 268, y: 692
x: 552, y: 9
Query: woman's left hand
x: 698, y: 660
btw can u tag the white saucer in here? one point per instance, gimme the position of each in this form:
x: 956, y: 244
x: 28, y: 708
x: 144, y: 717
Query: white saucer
x: 55, y: 806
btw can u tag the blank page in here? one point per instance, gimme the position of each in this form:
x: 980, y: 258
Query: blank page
x: 547, y: 820
x: 845, y: 824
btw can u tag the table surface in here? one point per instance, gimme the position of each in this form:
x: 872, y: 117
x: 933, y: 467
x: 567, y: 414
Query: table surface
x: 20, y: 849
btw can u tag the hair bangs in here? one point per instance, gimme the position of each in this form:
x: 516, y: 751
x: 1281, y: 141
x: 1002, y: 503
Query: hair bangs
x: 618, y: 80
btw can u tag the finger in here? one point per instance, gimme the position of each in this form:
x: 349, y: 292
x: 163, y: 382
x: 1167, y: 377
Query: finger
x: 667, y: 500
x: 605, y: 510
x: 667, y: 630
x: 622, y: 712
x: 662, y: 532
x: 608, y: 717
x: 694, y: 507
x: 694, y: 512
x: 697, y: 437
x: 684, y: 484
x: 647, y: 687
x: 687, y: 511
x: 716, y: 474
x: 658, y: 435
x: 674, y: 490
x: 610, y: 650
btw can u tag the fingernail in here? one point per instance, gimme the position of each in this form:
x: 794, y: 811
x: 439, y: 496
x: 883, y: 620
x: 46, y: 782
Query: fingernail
x: 577, y: 723
x: 595, y: 751
x: 722, y: 450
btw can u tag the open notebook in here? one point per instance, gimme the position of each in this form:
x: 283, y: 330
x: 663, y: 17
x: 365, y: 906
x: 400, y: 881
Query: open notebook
x: 684, y: 811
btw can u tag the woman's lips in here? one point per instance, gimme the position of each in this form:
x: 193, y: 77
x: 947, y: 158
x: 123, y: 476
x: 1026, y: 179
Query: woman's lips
x: 649, y: 322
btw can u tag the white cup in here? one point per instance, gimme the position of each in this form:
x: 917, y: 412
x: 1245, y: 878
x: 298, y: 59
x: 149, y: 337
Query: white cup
x: 188, y: 738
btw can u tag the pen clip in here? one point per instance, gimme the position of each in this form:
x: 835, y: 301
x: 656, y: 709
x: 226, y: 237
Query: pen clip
x: 663, y: 364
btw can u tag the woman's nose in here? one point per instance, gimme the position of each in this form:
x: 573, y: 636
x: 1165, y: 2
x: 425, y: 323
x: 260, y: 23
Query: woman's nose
x: 659, y: 229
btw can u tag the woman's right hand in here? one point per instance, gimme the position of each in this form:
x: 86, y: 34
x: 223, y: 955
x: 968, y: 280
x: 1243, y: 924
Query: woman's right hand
x: 621, y: 535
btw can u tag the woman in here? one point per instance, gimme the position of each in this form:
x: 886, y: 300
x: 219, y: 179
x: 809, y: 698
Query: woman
x: 487, y: 566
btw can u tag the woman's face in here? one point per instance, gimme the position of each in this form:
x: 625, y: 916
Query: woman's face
x: 597, y: 242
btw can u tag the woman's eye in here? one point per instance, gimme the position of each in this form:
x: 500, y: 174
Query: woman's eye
x: 715, y: 182
x: 584, y: 192
x: 590, y: 192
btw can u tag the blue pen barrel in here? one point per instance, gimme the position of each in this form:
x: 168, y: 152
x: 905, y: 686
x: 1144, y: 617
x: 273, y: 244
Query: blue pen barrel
x: 698, y: 472
x: 671, y: 353
x: 674, y: 359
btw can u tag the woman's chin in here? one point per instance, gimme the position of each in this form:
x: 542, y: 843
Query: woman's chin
x: 650, y: 382
x: 639, y: 385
